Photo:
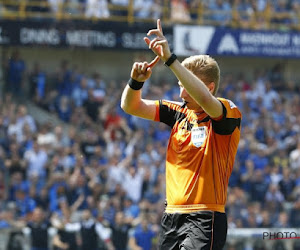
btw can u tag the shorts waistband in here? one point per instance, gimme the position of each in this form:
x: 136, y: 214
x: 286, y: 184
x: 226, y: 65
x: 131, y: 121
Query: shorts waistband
x: 194, y: 208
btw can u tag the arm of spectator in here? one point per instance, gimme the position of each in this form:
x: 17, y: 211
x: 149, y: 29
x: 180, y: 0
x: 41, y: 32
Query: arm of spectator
x: 135, y: 221
x: 125, y: 163
x: 105, y: 235
x: 58, y: 243
x: 77, y: 203
x: 56, y: 222
x: 137, y: 137
x: 124, y: 126
x: 132, y: 242
x: 19, y: 223
x: 107, y: 134
x: 26, y: 231
x: 74, y: 177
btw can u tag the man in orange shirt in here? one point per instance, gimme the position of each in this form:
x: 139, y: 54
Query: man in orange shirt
x: 201, y: 149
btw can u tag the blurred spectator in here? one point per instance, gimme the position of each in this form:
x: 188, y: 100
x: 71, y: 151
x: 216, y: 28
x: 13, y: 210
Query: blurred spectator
x: 36, y: 159
x: 179, y: 11
x: 120, y: 7
x: 63, y: 240
x: 274, y: 195
x: 15, y: 74
x: 282, y: 14
x: 24, y: 118
x: 283, y: 221
x: 96, y: 9
x: 38, y: 228
x: 39, y: 6
x: 37, y: 84
x: 221, y: 12
x: 132, y: 183
x: 243, y: 13
x: 64, y: 109
x: 295, y: 157
x: 91, y: 232
x: 25, y: 205
x: 80, y: 93
x: 259, y: 186
x: 143, y: 8
x: 56, y: 5
x: 194, y: 6
x: 142, y: 236
x: 91, y: 105
x: 157, y: 9
x: 287, y: 184
x: 120, y: 231
x: 64, y: 79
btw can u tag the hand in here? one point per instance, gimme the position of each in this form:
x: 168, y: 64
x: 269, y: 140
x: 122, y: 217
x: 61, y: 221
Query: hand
x: 65, y: 246
x: 142, y: 71
x: 159, y: 45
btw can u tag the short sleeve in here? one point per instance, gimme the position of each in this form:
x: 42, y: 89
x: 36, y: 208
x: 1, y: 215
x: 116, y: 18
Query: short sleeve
x: 167, y: 112
x: 230, y: 120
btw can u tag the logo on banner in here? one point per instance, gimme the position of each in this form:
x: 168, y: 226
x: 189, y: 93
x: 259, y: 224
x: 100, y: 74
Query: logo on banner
x: 228, y: 45
x: 192, y: 40
x: 3, y: 38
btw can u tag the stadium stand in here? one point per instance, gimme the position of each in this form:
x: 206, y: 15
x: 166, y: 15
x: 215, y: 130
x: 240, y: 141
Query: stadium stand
x: 98, y: 166
x: 254, y: 14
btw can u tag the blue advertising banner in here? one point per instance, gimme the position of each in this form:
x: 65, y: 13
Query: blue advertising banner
x: 190, y: 40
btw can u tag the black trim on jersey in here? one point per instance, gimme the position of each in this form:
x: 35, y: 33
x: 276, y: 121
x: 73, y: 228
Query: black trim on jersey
x: 206, y: 119
x: 169, y: 116
x: 226, y: 126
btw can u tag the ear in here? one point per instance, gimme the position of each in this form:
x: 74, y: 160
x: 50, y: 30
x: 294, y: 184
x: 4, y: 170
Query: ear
x: 211, y: 87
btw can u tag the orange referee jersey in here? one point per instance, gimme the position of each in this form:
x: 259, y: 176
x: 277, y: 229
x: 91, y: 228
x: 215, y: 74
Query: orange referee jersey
x: 200, y: 156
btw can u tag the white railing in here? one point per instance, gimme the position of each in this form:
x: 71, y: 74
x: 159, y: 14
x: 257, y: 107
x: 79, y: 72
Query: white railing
x: 239, y: 238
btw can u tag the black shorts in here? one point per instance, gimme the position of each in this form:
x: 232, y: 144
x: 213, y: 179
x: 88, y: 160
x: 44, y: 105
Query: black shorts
x: 204, y: 230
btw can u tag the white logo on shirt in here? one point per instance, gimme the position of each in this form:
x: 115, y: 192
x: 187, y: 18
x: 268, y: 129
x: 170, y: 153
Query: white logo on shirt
x: 232, y: 105
x: 199, y: 135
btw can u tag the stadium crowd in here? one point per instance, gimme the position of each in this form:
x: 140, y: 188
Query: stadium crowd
x: 258, y: 14
x: 108, y: 167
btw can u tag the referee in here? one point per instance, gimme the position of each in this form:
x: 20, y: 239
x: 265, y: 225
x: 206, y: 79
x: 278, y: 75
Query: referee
x: 201, y: 150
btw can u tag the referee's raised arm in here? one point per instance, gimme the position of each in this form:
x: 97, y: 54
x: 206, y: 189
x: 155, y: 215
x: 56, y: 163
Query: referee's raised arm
x: 201, y: 92
x: 131, y: 100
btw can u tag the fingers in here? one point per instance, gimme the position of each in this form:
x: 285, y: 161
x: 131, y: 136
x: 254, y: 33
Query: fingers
x: 158, y: 31
x: 159, y: 26
x: 139, y: 68
x: 156, y: 42
x: 147, y: 40
x: 144, y: 66
x: 153, y: 62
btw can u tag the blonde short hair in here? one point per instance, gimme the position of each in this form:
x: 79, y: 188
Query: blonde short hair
x: 205, y: 68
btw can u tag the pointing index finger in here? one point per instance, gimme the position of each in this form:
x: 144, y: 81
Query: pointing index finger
x: 159, y: 26
x: 154, y: 62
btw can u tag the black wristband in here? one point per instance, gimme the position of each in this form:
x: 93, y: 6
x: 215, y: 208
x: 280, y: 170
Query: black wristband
x: 134, y: 84
x: 172, y: 58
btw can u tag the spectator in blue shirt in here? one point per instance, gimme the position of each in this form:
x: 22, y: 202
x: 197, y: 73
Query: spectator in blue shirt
x: 221, y: 12
x: 64, y: 81
x: 142, y: 236
x: 37, y: 80
x: 16, y: 69
x: 25, y: 205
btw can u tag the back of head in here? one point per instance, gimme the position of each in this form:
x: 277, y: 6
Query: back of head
x: 205, y: 68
